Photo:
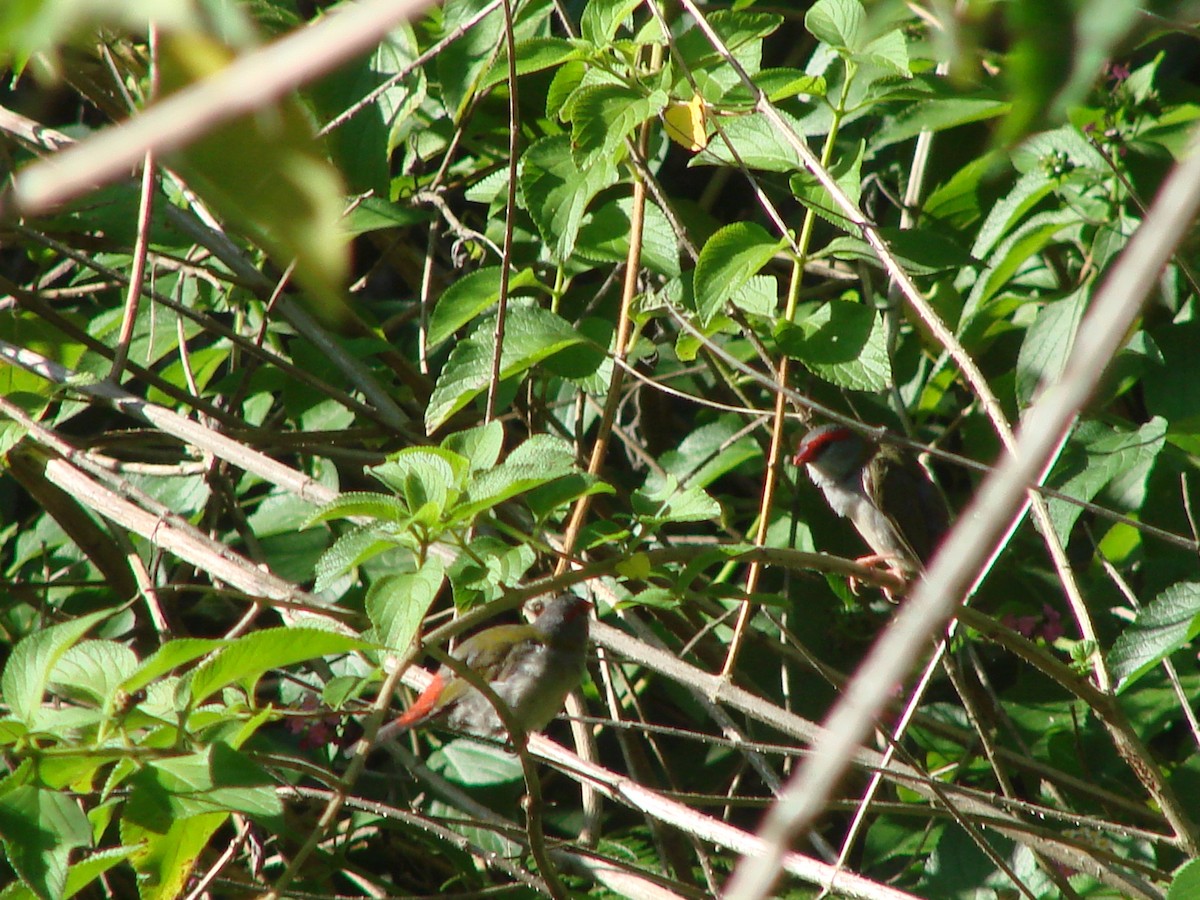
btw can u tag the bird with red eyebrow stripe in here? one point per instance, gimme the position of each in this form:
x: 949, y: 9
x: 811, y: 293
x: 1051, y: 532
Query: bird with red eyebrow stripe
x: 884, y: 491
x: 531, y: 668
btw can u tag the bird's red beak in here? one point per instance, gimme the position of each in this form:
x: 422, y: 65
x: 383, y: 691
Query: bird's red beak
x: 581, y: 607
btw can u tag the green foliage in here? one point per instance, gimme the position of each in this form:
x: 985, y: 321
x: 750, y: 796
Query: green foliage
x: 170, y: 690
x: 1186, y: 881
x: 727, y: 263
x: 79, y: 708
x: 1165, y: 626
x: 293, y: 206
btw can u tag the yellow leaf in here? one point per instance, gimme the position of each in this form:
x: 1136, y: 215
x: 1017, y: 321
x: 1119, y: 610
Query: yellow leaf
x: 686, y: 123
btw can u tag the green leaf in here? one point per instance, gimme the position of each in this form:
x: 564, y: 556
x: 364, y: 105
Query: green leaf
x: 937, y: 114
x: 728, y: 260
x: 469, y: 296
x: 428, y: 480
x: 556, y: 192
x: 113, y: 209
x: 551, y: 454
x: 293, y: 555
x: 655, y: 597
x: 1169, y: 623
x: 202, y: 366
x: 842, y: 342
x: 169, y: 656
x: 246, y: 659
x: 665, y: 500
x: 925, y: 250
x: 397, y: 604
x: 218, y: 778
x: 889, y: 52
x: 562, y: 87
x: 687, y: 346
x: 708, y: 453
x: 847, y: 172
x: 1101, y: 458
x: 742, y: 33
x: 759, y: 145
x: 602, y: 18
x: 91, y: 672
x: 462, y: 61
x: 956, y: 203
x: 359, y: 146
x: 541, y: 459
x: 839, y: 23
x: 604, y: 115
x: 777, y: 84
x: 531, y: 335
x: 490, y: 189
x: 423, y: 463
x: 587, y: 364
x: 1004, y: 215
x: 604, y: 237
x: 74, y: 765
x: 1048, y: 342
x: 40, y: 828
x: 177, y: 804
x: 554, y: 496
x: 1016, y: 251
x: 352, y: 549
x: 11, y: 731
x: 955, y: 865
x: 82, y: 872
x: 383, y: 507
x: 759, y: 296
x: 400, y: 102
x: 376, y: 214
x: 533, y: 55
x: 28, y: 669
x: 1185, y: 883
x: 473, y: 764
x: 166, y: 857
x: 486, y: 569
x: 480, y: 445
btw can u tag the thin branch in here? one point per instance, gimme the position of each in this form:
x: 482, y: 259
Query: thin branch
x: 245, y: 85
x: 510, y: 216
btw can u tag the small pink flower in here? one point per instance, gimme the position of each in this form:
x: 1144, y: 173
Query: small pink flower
x: 1022, y: 625
x: 1047, y: 627
x: 1053, y: 628
x: 1118, y: 72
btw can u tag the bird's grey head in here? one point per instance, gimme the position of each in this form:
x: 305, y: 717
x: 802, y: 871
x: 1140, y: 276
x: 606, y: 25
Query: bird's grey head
x: 565, y: 619
x: 833, y: 452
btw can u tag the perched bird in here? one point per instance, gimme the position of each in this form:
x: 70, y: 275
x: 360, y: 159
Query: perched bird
x: 531, y: 668
x: 882, y: 490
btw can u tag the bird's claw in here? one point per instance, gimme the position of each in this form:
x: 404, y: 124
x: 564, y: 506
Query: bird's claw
x: 889, y: 565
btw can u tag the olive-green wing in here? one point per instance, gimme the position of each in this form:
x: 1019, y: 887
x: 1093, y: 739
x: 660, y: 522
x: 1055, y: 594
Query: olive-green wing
x: 487, y: 652
x: 914, y: 505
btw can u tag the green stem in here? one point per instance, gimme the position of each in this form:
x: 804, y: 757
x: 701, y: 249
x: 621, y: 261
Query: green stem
x: 810, y: 217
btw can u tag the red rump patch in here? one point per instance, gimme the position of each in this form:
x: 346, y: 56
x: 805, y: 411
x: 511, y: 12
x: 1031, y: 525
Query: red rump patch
x: 424, y: 704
